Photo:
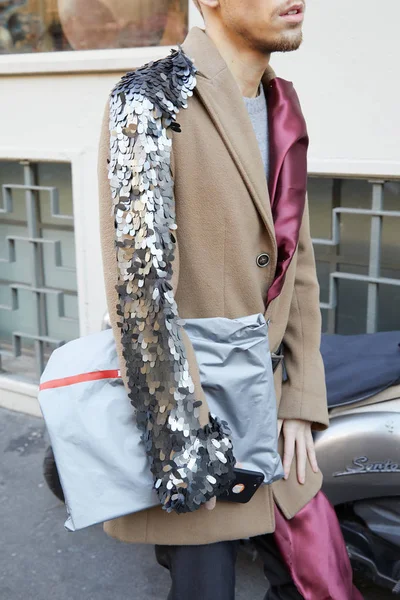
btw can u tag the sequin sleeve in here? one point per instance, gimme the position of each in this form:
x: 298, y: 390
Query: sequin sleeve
x: 190, y: 463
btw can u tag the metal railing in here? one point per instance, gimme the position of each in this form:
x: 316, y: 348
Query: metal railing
x: 43, y: 342
x: 41, y: 339
x: 373, y: 278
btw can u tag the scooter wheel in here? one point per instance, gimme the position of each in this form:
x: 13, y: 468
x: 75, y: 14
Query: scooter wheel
x: 50, y: 474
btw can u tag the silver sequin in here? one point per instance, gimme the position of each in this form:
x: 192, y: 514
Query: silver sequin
x: 190, y: 464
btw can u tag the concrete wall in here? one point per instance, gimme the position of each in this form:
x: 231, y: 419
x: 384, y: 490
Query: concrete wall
x: 347, y: 77
x: 346, y: 74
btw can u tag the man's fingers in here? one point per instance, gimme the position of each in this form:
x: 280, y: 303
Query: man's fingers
x: 288, y: 453
x: 312, y: 457
x: 301, y: 456
x: 210, y: 505
x: 298, y: 439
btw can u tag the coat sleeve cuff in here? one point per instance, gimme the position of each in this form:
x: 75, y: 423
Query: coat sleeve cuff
x: 292, y: 406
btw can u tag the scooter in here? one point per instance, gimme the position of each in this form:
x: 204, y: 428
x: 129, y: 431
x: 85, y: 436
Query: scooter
x: 359, y: 454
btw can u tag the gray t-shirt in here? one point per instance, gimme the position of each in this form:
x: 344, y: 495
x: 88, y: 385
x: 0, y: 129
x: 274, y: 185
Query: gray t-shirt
x: 258, y: 113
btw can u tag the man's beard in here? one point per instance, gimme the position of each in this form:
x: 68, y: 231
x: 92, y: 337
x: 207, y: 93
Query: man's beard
x: 283, y: 44
x: 288, y: 44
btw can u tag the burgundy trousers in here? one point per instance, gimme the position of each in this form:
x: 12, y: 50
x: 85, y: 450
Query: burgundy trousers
x: 313, y: 549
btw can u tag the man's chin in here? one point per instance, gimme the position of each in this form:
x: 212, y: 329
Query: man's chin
x: 287, y: 43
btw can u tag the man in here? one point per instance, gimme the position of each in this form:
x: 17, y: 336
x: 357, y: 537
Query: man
x: 234, y: 170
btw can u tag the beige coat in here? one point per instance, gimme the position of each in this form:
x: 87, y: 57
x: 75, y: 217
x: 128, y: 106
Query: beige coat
x: 224, y: 222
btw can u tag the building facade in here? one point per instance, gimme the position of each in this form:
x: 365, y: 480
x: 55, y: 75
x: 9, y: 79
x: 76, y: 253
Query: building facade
x: 58, y: 61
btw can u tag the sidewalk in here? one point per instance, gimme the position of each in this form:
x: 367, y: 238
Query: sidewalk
x: 40, y: 560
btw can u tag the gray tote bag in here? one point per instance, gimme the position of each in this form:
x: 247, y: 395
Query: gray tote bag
x: 101, y: 460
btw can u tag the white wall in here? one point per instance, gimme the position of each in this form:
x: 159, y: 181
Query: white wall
x: 346, y: 74
x: 58, y: 118
x: 348, y: 79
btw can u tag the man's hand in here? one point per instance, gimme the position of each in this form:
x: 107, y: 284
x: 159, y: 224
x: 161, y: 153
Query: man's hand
x: 211, y: 504
x: 297, y: 438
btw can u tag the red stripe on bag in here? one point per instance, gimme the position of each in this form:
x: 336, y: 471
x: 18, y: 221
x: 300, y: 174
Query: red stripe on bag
x: 96, y: 375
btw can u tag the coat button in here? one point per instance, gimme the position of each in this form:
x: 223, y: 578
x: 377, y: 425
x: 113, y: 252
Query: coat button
x: 263, y: 260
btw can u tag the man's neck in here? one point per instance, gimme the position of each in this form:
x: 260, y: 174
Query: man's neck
x: 246, y: 64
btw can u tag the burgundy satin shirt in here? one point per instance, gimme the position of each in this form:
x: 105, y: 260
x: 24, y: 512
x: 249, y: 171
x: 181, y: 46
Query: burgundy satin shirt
x: 288, y: 173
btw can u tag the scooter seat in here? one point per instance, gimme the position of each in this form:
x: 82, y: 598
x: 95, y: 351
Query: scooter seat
x: 360, y: 366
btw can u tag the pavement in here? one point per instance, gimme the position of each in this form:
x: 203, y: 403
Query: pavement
x: 40, y: 560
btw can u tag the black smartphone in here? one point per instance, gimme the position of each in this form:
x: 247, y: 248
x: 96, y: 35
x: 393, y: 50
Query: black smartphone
x: 243, y: 487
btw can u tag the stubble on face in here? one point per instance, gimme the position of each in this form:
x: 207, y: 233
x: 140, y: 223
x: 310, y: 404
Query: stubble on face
x: 260, y: 25
x: 286, y: 43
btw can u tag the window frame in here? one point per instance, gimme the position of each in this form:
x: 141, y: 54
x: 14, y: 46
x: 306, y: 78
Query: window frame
x: 341, y: 268
x: 87, y: 61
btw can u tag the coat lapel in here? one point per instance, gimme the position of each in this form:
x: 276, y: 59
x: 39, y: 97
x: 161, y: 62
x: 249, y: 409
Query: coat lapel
x: 282, y: 205
x: 222, y: 99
